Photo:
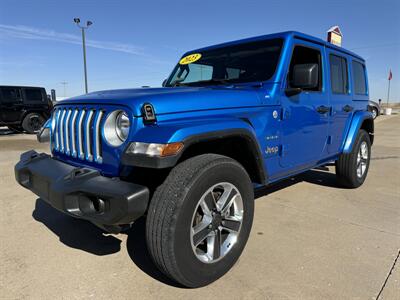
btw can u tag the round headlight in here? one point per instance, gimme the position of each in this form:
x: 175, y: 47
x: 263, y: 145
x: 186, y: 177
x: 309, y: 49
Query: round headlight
x: 116, y: 128
x: 122, y: 126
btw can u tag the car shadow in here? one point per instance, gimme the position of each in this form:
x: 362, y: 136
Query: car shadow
x: 75, y: 233
x: 85, y: 236
x: 6, y: 131
x: 319, y: 176
x: 139, y: 254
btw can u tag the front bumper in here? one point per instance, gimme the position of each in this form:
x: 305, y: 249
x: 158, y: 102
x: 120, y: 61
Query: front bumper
x: 82, y: 192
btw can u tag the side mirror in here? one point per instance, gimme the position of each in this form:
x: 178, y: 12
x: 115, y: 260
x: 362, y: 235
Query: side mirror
x: 164, y: 82
x: 305, y: 76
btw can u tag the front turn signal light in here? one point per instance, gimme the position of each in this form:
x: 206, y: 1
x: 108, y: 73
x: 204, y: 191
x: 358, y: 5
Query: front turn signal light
x: 172, y: 149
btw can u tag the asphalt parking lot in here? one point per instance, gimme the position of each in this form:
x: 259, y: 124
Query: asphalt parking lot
x: 310, y: 240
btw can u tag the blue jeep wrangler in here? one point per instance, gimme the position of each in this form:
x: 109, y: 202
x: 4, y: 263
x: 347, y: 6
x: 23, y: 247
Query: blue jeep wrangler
x: 188, y: 156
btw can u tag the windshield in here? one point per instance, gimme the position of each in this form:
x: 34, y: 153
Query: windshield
x: 246, y: 62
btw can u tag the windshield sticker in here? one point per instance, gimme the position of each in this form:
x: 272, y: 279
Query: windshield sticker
x: 190, y: 59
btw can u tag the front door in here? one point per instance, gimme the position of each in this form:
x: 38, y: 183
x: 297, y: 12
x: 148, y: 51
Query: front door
x: 305, y: 116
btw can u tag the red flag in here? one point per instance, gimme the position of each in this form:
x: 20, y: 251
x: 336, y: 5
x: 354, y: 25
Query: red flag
x: 390, y: 74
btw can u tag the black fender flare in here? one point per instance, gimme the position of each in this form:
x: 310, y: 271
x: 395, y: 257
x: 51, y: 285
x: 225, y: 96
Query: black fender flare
x: 144, y: 161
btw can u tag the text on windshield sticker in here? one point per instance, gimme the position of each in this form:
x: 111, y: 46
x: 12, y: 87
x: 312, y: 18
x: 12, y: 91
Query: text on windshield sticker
x: 190, y: 59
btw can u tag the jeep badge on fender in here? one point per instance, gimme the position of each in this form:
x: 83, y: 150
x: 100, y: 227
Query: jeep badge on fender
x: 187, y: 156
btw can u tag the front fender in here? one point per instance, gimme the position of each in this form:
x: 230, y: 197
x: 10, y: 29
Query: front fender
x: 181, y: 130
x: 356, y: 123
x: 190, y: 132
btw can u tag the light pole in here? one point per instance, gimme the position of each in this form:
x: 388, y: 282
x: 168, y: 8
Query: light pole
x: 88, y: 23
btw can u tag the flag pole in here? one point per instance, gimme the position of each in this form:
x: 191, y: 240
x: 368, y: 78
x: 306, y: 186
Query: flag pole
x: 388, y: 94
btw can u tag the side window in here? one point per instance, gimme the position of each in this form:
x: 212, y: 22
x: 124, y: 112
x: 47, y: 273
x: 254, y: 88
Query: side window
x: 306, y: 55
x: 359, y: 80
x: 11, y: 94
x: 33, y: 95
x: 339, y: 77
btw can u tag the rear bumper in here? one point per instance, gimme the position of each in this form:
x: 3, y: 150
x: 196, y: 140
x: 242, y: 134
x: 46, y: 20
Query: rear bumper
x: 82, y: 192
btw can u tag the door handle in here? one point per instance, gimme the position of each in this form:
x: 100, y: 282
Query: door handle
x: 323, y: 109
x: 347, y: 108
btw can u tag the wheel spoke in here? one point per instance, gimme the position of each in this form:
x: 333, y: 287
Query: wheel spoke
x: 226, y: 199
x: 216, y: 248
x: 231, y: 225
x: 200, y: 232
x: 364, y: 150
x: 208, y: 204
x: 359, y: 163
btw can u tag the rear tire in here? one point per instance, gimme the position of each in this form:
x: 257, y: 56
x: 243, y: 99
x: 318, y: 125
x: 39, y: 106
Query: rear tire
x: 33, y: 122
x: 374, y: 113
x: 352, y: 168
x: 187, y: 218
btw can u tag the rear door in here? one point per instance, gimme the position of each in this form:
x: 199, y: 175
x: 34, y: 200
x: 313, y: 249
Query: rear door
x: 35, y: 99
x: 11, y: 104
x: 341, y: 99
x: 305, y: 116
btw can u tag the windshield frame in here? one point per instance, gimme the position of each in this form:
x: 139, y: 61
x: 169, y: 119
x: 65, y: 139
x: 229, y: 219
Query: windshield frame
x: 272, y: 78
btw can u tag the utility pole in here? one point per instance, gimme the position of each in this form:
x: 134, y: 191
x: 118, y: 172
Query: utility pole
x: 64, y: 83
x: 83, y: 28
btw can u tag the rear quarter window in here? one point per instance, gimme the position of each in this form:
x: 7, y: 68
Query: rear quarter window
x: 339, y: 78
x: 33, y: 95
x: 359, y: 78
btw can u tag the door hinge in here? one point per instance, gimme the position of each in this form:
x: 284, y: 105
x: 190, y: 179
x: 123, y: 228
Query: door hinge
x: 283, y: 150
x: 284, y: 114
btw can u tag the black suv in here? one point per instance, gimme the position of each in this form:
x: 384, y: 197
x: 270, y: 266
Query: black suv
x: 24, y: 108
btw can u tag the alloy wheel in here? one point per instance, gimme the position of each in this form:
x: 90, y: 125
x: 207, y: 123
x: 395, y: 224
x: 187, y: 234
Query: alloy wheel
x: 216, y: 222
x: 34, y: 123
x: 362, y: 159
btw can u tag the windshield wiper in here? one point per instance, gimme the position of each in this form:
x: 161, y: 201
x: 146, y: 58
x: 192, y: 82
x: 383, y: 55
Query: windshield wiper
x: 217, y: 80
x: 258, y: 84
x: 177, y: 82
x: 209, y: 81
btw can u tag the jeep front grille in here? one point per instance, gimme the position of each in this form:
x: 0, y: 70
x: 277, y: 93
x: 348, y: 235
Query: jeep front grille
x: 77, y: 133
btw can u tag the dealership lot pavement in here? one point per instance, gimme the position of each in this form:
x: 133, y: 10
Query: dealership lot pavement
x: 310, y: 240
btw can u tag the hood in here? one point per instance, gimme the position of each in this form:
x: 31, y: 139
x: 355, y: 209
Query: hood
x: 173, y: 100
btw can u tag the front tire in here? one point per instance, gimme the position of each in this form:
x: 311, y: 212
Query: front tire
x: 352, y: 168
x: 200, y: 218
